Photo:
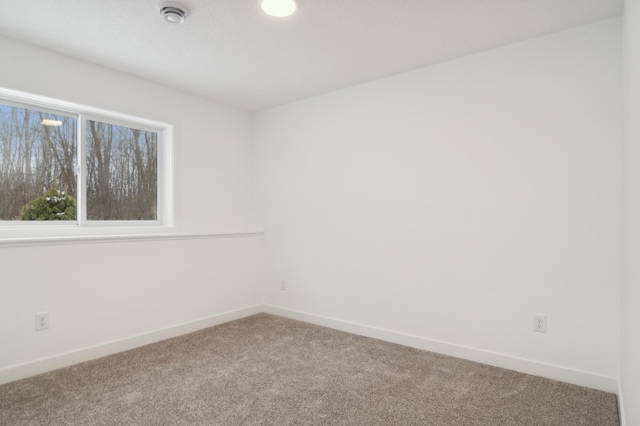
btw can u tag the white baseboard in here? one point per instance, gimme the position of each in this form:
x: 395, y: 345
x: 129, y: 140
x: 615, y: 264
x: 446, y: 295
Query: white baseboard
x: 27, y: 369
x: 562, y: 374
x: 623, y: 420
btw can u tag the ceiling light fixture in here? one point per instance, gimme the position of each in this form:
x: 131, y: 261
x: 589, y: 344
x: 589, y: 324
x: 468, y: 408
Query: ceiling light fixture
x: 279, y: 8
x: 174, y: 13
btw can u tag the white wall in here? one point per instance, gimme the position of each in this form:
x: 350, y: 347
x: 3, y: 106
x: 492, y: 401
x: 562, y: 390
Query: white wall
x: 99, y: 293
x: 630, y: 364
x: 454, y: 202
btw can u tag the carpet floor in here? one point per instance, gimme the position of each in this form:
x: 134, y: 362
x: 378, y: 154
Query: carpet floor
x: 268, y: 370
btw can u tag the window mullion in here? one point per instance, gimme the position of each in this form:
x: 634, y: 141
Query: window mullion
x: 82, y: 170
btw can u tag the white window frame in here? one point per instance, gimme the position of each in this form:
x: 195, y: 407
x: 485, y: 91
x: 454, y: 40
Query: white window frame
x: 81, y: 226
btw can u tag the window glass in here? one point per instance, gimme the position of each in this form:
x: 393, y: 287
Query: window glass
x: 122, y: 172
x: 38, y: 158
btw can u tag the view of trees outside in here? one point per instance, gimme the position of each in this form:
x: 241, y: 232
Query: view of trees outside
x: 37, y: 152
x: 122, y: 173
x: 38, y: 157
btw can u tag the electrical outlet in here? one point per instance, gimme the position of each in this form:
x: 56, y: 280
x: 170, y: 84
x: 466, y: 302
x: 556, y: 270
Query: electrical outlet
x: 283, y: 285
x: 540, y: 323
x: 42, y: 321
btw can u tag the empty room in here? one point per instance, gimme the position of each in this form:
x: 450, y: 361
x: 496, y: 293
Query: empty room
x: 320, y: 212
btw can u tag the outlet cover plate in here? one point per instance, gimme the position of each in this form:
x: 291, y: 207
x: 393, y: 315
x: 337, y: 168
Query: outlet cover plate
x: 42, y: 321
x: 540, y: 323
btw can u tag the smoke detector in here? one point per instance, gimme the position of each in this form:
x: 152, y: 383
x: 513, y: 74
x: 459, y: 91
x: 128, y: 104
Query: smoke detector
x: 174, y: 13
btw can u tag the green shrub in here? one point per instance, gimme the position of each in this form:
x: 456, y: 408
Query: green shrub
x: 53, y: 205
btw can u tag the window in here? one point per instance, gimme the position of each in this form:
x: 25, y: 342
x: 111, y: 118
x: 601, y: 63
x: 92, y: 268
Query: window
x: 63, y: 164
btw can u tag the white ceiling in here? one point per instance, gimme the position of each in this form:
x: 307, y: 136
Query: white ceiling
x: 230, y: 51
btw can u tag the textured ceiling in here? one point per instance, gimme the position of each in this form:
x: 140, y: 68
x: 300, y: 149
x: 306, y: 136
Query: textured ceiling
x: 230, y: 51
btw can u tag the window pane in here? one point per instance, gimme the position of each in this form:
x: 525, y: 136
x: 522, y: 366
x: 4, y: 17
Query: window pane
x: 37, y: 165
x: 122, y: 169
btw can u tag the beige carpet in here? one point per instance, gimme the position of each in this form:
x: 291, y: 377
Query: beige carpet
x: 267, y: 370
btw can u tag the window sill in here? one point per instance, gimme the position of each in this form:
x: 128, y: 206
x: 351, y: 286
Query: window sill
x: 93, y: 239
